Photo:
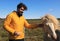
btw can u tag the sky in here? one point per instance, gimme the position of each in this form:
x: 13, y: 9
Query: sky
x: 36, y: 8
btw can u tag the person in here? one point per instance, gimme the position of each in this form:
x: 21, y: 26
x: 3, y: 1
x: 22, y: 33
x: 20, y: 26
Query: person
x: 15, y: 23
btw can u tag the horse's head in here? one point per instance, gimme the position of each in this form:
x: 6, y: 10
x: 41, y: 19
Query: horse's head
x: 51, y: 23
x: 46, y: 21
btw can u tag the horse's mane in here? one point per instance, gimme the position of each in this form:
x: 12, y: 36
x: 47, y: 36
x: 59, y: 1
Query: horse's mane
x: 53, y: 19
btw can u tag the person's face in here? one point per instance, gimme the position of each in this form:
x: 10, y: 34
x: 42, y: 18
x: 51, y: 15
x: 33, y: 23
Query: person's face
x: 21, y: 10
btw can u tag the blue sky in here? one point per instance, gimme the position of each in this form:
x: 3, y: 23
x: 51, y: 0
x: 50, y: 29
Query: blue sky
x: 36, y: 8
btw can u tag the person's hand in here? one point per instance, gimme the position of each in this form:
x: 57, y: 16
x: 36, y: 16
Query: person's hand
x: 16, y: 33
x: 41, y: 25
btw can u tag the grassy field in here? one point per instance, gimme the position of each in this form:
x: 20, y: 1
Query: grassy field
x: 30, y: 34
x: 34, y: 34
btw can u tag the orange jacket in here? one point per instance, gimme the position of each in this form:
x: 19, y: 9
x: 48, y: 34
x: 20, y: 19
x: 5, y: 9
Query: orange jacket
x: 14, y: 23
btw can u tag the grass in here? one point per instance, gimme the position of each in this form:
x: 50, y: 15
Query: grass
x: 30, y: 34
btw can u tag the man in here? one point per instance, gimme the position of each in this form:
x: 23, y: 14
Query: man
x: 15, y: 23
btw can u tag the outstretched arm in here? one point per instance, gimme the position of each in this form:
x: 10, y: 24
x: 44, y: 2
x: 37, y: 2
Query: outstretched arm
x: 32, y: 25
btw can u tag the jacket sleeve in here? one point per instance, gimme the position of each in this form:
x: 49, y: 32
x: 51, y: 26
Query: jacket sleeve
x: 7, y: 25
x: 26, y: 24
x: 30, y: 26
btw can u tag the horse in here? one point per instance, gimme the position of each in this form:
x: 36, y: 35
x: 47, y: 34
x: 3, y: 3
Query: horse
x: 51, y: 25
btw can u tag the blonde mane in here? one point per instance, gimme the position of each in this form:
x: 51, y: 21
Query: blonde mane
x: 53, y: 20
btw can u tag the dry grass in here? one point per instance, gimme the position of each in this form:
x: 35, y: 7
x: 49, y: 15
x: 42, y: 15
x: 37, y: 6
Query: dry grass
x: 30, y: 34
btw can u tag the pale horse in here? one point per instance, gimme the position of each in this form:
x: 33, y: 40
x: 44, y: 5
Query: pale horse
x: 51, y: 25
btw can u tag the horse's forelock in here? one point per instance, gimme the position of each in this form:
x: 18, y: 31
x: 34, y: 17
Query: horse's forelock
x: 44, y: 19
